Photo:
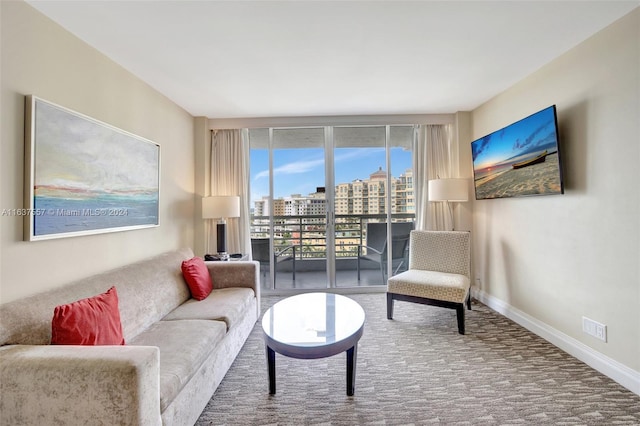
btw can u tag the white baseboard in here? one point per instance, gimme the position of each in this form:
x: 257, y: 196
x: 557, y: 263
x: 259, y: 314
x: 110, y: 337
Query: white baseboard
x: 611, y: 368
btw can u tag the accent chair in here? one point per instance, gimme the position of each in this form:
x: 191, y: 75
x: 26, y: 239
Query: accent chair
x: 439, y: 273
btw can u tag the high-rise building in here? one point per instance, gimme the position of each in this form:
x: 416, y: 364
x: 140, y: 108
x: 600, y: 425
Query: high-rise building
x: 359, y: 197
x: 403, y: 197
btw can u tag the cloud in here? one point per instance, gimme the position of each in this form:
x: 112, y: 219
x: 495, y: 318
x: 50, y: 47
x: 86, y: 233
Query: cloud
x: 518, y: 144
x: 356, y: 154
x: 478, y: 148
x: 294, y: 168
x: 304, y: 166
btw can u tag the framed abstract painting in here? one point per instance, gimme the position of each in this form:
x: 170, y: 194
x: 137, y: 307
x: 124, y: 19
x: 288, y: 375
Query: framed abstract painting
x: 83, y: 176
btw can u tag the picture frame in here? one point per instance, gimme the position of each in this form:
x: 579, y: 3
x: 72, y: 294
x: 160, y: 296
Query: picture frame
x: 85, y: 177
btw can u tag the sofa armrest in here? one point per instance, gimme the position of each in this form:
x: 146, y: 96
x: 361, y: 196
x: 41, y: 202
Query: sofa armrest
x: 225, y: 274
x: 48, y: 384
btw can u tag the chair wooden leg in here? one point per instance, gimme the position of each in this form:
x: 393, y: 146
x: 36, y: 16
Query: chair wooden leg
x: 460, y: 317
x: 469, y: 301
x: 389, y: 306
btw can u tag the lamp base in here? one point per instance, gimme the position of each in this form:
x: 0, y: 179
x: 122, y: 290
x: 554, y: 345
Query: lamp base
x: 453, y: 225
x: 221, y: 231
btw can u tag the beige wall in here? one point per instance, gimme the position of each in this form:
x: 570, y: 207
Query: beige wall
x: 558, y: 258
x: 202, y: 182
x: 41, y: 58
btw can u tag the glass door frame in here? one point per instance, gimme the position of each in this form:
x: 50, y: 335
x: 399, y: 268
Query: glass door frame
x: 330, y: 237
x: 329, y: 163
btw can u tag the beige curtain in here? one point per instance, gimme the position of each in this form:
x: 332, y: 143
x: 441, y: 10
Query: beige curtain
x: 432, y: 158
x: 420, y: 162
x: 230, y: 176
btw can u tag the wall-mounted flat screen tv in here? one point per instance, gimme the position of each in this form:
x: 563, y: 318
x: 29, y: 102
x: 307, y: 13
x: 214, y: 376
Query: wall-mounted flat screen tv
x: 521, y: 159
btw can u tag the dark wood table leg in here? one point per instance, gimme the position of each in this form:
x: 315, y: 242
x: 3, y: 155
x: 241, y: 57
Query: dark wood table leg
x: 351, y: 369
x: 271, y: 370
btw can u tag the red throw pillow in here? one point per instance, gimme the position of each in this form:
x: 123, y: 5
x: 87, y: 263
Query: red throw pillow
x: 92, y: 321
x: 197, y: 276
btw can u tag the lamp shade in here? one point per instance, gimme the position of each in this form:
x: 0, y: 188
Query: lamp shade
x: 220, y: 207
x: 448, y: 190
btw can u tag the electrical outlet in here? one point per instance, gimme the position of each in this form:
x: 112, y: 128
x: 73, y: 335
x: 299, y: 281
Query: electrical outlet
x: 594, y: 328
x: 601, y: 332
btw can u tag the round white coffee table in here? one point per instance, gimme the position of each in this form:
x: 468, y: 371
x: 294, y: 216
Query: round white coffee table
x: 313, y: 325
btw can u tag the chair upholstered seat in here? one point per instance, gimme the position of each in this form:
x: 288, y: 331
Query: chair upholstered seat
x: 430, y: 284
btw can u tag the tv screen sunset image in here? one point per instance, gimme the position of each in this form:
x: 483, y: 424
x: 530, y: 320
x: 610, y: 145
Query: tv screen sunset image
x: 520, y: 159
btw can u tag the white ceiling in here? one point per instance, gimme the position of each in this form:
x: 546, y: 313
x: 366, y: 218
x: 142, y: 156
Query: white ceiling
x: 226, y: 59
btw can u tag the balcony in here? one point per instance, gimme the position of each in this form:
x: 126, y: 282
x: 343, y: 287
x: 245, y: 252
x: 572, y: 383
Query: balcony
x: 308, y: 234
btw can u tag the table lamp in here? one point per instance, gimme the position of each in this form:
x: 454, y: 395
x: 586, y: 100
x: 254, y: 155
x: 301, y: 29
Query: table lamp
x: 449, y: 190
x: 221, y: 207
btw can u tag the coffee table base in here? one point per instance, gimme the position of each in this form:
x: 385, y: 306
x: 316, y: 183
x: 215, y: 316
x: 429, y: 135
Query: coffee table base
x: 351, y: 369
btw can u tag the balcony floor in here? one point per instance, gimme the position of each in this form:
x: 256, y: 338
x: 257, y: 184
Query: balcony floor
x: 310, y: 280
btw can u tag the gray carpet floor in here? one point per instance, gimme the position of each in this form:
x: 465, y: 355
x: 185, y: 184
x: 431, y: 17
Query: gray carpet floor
x: 417, y: 370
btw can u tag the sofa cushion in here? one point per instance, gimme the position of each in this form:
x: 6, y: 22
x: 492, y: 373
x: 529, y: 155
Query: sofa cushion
x: 184, y: 346
x: 225, y: 304
x: 91, y: 321
x: 197, y: 277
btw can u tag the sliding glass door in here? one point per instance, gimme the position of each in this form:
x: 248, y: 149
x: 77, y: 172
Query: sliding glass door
x: 360, y: 198
x: 287, y: 171
x: 323, y: 200
x: 373, y: 188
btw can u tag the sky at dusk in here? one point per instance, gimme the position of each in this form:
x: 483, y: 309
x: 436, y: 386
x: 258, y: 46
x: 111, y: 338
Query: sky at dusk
x: 527, y: 136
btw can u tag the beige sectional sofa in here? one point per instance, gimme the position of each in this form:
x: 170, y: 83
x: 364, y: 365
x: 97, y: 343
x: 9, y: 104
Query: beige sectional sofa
x: 176, y: 352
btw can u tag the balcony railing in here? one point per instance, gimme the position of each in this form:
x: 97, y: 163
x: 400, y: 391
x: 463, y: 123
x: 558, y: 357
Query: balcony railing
x: 308, y: 232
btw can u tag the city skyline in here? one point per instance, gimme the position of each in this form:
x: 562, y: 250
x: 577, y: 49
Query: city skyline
x: 302, y: 170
